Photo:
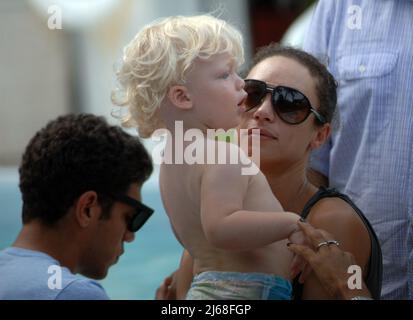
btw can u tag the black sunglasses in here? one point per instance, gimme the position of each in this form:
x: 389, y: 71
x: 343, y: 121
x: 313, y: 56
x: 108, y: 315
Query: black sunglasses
x: 142, y: 212
x: 292, y: 106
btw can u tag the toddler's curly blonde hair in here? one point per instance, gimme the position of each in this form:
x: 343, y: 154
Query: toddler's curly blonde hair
x: 160, y: 56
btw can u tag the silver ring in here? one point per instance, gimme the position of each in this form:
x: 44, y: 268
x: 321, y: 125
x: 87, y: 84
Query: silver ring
x: 336, y: 243
x: 324, y: 243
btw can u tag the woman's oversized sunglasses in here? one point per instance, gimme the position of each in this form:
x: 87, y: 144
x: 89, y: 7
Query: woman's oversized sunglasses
x: 292, y: 106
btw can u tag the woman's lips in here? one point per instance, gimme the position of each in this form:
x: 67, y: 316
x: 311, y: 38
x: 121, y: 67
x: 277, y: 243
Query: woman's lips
x: 264, y: 134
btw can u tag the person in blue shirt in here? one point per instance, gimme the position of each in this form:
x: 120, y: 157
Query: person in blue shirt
x: 80, y: 180
x: 369, y: 49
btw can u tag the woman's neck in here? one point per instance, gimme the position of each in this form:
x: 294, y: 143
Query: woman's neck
x: 290, y: 185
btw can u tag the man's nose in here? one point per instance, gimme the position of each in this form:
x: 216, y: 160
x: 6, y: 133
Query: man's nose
x: 129, y: 236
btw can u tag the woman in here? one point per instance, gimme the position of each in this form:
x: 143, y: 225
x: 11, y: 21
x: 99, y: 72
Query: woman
x: 292, y: 99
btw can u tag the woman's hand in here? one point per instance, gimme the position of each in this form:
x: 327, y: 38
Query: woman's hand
x: 328, y: 261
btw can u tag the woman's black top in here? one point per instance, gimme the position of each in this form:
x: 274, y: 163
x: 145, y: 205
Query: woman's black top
x: 375, y: 266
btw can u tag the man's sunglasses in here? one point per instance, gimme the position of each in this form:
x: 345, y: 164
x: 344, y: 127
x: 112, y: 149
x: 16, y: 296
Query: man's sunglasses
x: 142, y: 212
x: 292, y: 106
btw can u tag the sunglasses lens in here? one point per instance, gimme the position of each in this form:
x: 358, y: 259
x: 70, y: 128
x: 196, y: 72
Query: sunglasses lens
x: 256, y: 92
x: 140, y: 219
x: 291, y: 105
x: 143, y: 213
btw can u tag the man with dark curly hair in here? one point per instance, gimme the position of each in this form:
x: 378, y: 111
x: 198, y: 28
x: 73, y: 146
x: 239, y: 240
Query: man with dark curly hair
x: 80, y: 180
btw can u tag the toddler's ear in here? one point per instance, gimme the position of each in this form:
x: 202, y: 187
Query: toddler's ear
x: 179, y: 96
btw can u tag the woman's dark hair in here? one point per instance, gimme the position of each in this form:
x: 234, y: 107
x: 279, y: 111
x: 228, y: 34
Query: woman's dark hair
x: 326, y: 85
x: 74, y: 154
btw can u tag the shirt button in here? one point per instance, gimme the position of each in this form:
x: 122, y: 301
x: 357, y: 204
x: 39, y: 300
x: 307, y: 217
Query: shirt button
x: 362, y: 68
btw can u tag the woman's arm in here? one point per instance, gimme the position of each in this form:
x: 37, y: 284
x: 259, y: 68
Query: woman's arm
x: 226, y: 224
x: 339, y: 219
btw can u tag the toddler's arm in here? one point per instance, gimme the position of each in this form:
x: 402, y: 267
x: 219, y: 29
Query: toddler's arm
x: 226, y: 224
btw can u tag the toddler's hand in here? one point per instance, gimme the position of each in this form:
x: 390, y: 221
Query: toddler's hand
x: 299, y: 264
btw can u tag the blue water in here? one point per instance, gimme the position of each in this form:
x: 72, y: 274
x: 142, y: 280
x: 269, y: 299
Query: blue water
x: 154, y: 254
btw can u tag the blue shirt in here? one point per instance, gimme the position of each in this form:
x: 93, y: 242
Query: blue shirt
x: 370, y: 156
x: 33, y: 275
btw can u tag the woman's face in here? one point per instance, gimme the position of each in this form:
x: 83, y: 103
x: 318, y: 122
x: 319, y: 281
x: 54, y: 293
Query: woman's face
x: 280, y: 142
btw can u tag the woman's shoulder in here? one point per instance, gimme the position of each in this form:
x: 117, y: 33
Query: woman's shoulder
x: 338, y: 217
x: 341, y: 220
x: 335, y: 214
x: 330, y: 207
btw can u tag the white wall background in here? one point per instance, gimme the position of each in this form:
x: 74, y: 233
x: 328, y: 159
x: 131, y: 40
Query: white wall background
x: 45, y: 73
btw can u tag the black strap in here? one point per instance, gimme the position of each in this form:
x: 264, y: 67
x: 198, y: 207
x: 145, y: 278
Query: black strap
x: 375, y: 266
